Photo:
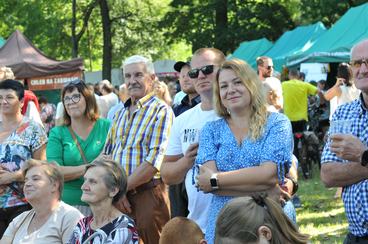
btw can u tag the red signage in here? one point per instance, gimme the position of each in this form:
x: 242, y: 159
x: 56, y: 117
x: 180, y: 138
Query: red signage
x: 52, y: 82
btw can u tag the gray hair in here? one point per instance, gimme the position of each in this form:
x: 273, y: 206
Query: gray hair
x: 140, y: 59
x: 8, y: 73
x: 115, y: 176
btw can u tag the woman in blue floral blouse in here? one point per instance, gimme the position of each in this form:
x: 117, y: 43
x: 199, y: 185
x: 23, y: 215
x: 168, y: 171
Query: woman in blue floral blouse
x: 246, y: 151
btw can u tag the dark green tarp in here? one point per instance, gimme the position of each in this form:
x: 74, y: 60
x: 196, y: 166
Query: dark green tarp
x: 293, y: 41
x: 335, y: 44
x: 250, y: 50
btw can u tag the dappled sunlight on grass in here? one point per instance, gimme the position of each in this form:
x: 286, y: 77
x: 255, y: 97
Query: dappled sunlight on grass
x: 322, y: 216
x: 329, y: 216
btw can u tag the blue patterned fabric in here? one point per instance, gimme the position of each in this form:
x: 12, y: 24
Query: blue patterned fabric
x: 218, y: 143
x: 289, y: 210
x: 355, y: 196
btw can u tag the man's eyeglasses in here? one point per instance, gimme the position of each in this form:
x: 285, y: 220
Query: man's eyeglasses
x: 358, y: 63
x: 74, y: 98
x: 206, y: 70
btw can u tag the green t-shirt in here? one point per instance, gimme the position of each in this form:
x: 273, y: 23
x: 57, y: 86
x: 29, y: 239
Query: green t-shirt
x: 62, y: 149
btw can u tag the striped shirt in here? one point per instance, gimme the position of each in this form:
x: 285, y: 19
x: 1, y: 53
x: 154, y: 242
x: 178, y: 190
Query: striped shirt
x: 355, y: 196
x: 140, y: 136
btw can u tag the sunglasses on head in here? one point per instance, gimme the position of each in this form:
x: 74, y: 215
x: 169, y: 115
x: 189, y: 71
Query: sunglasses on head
x: 206, y: 70
x: 75, y: 82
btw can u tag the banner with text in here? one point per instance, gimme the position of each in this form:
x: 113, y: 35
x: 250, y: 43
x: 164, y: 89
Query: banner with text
x: 52, y: 82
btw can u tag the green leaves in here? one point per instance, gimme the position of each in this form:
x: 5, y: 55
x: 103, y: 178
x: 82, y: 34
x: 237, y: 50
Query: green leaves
x: 204, y: 24
x: 161, y: 28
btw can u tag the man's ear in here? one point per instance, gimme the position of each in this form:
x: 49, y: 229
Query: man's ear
x: 153, y: 77
x: 265, y: 232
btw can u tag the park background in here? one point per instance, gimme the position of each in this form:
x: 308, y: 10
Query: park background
x: 105, y: 32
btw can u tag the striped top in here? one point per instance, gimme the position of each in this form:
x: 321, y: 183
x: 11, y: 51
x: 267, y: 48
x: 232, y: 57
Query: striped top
x: 140, y: 136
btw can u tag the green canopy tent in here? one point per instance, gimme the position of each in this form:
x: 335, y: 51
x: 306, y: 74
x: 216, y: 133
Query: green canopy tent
x: 293, y: 41
x: 2, y: 41
x: 250, y: 50
x: 334, y: 46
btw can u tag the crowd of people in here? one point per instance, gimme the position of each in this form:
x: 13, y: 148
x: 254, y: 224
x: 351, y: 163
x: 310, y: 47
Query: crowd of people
x: 96, y: 168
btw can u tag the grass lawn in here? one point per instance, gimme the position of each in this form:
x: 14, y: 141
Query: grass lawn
x: 322, y: 216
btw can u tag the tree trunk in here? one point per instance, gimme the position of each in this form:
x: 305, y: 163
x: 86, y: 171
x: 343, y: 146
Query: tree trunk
x: 74, y: 35
x: 221, y: 26
x: 107, y: 45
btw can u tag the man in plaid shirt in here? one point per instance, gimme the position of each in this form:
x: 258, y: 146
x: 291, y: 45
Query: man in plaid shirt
x: 137, y: 139
x: 345, y: 156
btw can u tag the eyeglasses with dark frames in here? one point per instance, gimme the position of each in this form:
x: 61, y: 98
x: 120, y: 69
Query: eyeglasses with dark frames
x: 206, y: 70
x: 74, y: 98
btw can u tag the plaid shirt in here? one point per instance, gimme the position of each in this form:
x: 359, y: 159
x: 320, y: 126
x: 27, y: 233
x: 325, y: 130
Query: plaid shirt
x: 355, y: 196
x: 140, y: 136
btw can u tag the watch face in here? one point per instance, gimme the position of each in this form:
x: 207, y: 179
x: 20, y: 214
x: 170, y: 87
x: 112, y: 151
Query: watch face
x: 213, y: 182
x: 365, y: 158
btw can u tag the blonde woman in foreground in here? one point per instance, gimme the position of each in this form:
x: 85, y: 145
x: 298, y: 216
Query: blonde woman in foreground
x: 249, y: 149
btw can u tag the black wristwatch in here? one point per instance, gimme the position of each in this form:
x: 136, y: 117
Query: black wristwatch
x: 295, y: 185
x: 214, y: 182
x: 364, y: 160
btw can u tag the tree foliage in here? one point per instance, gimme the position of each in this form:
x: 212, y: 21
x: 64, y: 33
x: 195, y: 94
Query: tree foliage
x: 134, y: 29
x: 38, y: 21
x: 327, y: 11
x: 159, y: 29
x: 204, y: 24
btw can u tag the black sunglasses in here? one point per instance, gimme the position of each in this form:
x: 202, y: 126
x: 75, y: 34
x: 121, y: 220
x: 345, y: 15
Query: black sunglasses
x: 206, y: 70
x: 269, y: 67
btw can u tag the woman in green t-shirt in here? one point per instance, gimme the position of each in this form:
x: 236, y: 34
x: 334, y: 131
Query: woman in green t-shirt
x: 78, y: 141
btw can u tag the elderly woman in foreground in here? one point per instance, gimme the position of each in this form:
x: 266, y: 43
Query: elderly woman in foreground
x: 50, y: 220
x: 105, y: 182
